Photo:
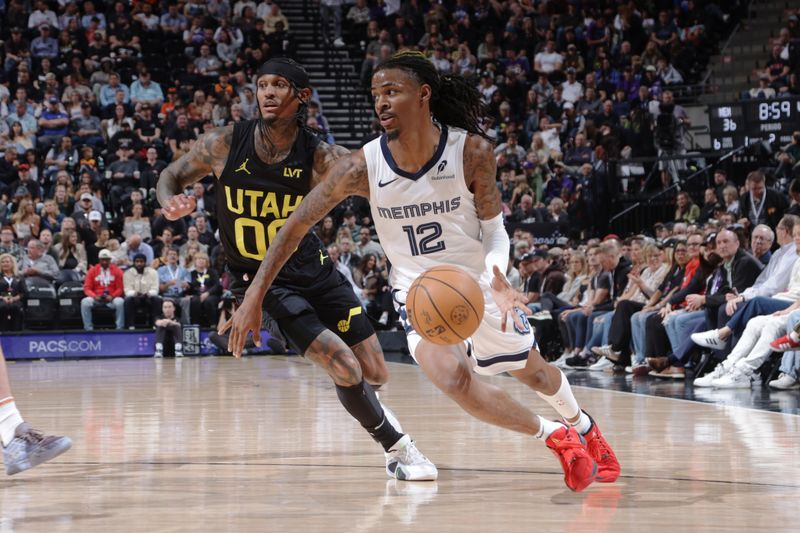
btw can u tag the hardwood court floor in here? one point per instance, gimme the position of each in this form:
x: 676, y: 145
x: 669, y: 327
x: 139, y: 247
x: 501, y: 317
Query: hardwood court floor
x: 262, y: 444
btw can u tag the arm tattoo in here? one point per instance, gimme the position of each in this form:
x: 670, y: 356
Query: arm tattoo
x: 480, y: 168
x: 208, y: 154
x: 347, y: 177
x: 324, y: 158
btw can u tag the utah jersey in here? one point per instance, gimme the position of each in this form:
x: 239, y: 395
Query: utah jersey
x: 254, y: 199
x: 427, y: 218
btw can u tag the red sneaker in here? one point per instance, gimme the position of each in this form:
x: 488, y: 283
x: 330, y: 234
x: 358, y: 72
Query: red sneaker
x: 784, y: 344
x: 608, y: 468
x: 570, y: 448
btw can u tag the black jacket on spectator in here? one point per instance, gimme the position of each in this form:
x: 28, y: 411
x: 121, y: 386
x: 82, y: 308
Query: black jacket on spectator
x: 775, y: 204
x: 744, y: 270
x: 620, y: 276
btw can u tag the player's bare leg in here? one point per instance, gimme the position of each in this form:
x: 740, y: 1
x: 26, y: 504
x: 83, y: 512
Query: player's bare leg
x: 403, y: 460
x: 448, y: 368
x: 370, y: 354
x: 552, y: 386
x: 23, y: 446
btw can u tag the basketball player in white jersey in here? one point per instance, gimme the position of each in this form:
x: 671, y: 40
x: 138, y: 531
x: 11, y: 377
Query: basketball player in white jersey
x: 431, y: 182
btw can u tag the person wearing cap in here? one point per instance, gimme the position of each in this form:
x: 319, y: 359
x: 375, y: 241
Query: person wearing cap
x: 124, y: 176
x: 763, y: 91
x: 44, y: 45
x: 141, y: 290
x: 53, y: 123
x: 37, y: 263
x: 87, y: 129
x: 103, y: 287
x: 145, y: 91
x: 311, y: 299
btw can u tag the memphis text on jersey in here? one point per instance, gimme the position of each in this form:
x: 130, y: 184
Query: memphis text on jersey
x: 261, y: 215
x: 419, y: 210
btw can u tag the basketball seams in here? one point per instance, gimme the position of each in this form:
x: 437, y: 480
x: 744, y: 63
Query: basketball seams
x: 445, y: 320
x: 477, y: 314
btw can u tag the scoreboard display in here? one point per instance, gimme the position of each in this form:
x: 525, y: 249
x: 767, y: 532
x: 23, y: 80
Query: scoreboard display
x: 753, y: 121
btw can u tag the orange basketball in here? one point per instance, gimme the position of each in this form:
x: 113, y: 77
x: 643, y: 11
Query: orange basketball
x: 445, y: 305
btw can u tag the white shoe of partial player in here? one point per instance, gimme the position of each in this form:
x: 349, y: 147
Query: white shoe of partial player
x: 601, y: 364
x: 406, y: 463
x: 785, y: 382
x: 735, y: 379
x: 708, y: 339
x: 708, y: 379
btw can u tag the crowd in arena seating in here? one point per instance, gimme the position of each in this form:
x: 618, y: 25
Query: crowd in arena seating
x: 97, y: 97
x: 778, y: 75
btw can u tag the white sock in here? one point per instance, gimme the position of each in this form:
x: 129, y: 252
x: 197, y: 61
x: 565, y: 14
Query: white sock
x: 9, y: 420
x: 546, y: 428
x: 159, y: 347
x: 583, y: 424
x: 563, y: 400
x: 178, y: 347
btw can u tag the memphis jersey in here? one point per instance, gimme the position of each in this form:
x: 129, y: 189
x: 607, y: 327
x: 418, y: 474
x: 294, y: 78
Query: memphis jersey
x: 427, y: 218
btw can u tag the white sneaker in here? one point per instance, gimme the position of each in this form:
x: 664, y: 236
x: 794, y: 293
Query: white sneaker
x: 706, y: 381
x: 542, y: 315
x: 159, y: 354
x: 338, y: 43
x: 708, y: 339
x: 561, y: 362
x: 735, y: 379
x: 405, y: 462
x: 785, y: 382
x: 601, y: 364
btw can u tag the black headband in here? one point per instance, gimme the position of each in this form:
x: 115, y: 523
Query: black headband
x: 287, y: 68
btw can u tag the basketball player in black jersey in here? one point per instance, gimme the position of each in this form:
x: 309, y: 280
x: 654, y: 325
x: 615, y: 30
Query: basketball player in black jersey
x: 264, y: 168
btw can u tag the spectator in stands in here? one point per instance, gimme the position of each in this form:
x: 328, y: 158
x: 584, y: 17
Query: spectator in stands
x: 124, y: 177
x: 204, y: 292
x: 36, y: 263
x: 346, y: 254
x: 137, y: 224
x: 192, y: 238
x: 134, y: 245
x: 70, y: 252
x: 54, y: 124
x: 685, y: 209
x: 761, y: 243
x: 760, y: 205
x: 141, y: 291
x: 173, y: 281
x: 103, y: 287
x: 366, y: 245
x: 13, y: 294
x: 345, y: 270
x: 548, y: 60
x: 44, y: 46
x: 168, y: 330
x: 205, y: 234
x: 86, y: 129
x: 25, y: 221
x: 331, y: 15
x: 108, y: 92
x: 145, y: 91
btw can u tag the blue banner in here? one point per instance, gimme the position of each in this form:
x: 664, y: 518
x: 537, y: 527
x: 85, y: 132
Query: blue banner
x: 108, y: 343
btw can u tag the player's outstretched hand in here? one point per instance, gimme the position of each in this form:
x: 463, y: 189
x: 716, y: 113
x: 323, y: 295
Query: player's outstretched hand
x: 508, y: 300
x: 245, y: 319
x: 179, y: 206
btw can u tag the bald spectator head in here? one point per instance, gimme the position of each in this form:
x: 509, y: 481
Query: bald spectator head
x: 727, y: 244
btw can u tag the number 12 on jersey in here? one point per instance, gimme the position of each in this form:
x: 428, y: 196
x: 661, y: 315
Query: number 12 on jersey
x: 425, y: 238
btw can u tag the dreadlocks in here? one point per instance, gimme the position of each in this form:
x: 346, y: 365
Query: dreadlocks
x: 297, y: 77
x: 454, y: 102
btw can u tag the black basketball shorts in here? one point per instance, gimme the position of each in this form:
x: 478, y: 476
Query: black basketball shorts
x: 303, y: 308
